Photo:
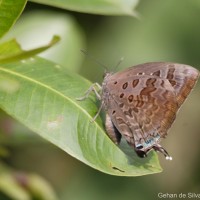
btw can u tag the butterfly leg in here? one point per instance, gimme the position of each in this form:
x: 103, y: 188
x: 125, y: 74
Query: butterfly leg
x: 159, y: 148
x: 91, y: 89
x: 94, y: 118
x: 87, y: 93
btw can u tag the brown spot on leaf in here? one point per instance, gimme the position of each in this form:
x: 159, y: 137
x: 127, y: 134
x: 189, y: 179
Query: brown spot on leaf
x: 115, y: 168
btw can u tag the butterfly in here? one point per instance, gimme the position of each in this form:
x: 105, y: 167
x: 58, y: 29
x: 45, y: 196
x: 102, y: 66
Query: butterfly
x: 141, y: 102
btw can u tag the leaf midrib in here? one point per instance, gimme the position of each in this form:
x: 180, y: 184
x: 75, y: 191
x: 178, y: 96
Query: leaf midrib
x: 49, y: 88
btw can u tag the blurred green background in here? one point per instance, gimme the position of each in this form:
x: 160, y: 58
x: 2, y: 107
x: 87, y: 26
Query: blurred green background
x: 163, y: 31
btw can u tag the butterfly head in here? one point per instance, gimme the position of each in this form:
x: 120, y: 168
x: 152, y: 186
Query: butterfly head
x: 106, y: 74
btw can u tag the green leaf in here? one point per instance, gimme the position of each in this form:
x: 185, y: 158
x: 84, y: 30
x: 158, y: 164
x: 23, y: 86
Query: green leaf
x: 103, y: 7
x: 45, y: 101
x: 10, y: 10
x: 11, y: 51
x: 30, y: 31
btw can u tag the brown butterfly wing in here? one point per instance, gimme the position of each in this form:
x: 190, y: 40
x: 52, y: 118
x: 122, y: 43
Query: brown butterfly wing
x: 181, y: 77
x: 143, y: 111
x: 145, y: 100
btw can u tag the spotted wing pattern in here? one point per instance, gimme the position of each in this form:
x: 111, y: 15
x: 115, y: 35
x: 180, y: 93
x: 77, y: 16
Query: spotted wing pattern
x: 142, y: 101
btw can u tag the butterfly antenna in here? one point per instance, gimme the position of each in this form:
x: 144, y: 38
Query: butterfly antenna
x: 119, y: 62
x: 94, y: 59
